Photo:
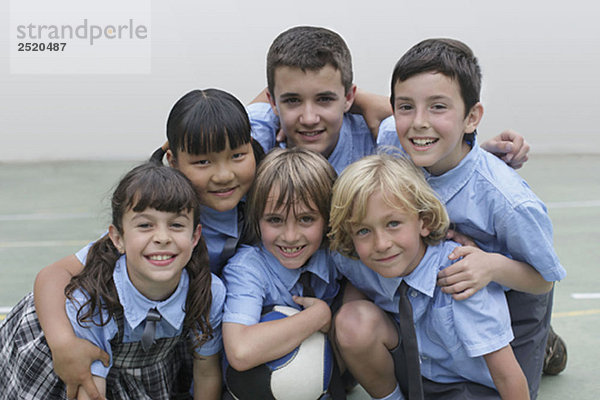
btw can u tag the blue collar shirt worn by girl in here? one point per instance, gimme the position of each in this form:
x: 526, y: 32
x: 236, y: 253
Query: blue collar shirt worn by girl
x: 355, y: 140
x: 255, y: 279
x: 219, y: 229
x: 453, y: 335
x: 135, y: 309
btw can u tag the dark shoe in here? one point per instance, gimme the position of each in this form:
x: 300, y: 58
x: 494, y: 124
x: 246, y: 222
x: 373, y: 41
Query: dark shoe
x: 555, y: 359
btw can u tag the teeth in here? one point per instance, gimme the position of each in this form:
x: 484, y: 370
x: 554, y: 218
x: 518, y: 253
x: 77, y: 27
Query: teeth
x: 160, y: 257
x: 290, y: 249
x: 313, y: 133
x: 423, y: 142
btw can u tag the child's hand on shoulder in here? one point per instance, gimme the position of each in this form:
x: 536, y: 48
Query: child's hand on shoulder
x: 319, y: 308
x: 472, y: 271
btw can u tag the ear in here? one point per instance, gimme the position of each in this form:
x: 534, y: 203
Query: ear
x: 116, y: 238
x: 424, y: 226
x: 272, y: 102
x: 473, y: 118
x: 350, y: 98
x: 171, y: 159
x: 197, y: 235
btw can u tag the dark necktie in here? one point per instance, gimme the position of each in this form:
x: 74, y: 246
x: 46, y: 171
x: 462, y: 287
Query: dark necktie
x: 231, y: 243
x: 152, y: 318
x: 410, y: 345
x: 307, y: 290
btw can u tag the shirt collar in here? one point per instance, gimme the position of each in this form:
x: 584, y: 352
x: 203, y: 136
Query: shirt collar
x: 136, y: 306
x: 451, y: 182
x: 424, y: 277
x: 317, y: 264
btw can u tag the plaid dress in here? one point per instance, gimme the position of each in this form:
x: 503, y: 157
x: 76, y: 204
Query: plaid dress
x: 26, y: 370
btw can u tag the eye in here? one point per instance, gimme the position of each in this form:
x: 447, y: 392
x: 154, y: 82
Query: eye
x: 326, y: 99
x: 238, y: 156
x: 438, y: 107
x: 291, y: 100
x: 201, y: 162
x: 361, y: 232
x: 144, y: 225
x: 404, y: 107
x: 307, y: 219
x: 274, y: 219
x: 394, y: 224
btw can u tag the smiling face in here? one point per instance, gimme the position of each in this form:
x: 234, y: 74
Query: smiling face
x: 311, y: 106
x: 389, y: 239
x: 292, y: 235
x: 220, y: 179
x: 158, y: 245
x: 430, y: 121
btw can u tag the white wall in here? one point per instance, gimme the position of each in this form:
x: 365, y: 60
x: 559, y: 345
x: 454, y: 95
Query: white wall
x: 540, y: 59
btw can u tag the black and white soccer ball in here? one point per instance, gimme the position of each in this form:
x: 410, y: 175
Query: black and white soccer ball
x: 303, y: 374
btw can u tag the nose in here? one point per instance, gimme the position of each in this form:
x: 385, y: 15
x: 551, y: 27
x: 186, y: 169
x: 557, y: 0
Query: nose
x: 223, y: 173
x: 309, y: 115
x: 382, y: 241
x: 161, y: 235
x: 290, y: 232
x: 421, y: 121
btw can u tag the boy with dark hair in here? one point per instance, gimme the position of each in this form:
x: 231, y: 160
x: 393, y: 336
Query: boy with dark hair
x: 311, y: 98
x: 435, y: 96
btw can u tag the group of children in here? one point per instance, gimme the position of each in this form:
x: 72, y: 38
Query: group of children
x: 151, y: 313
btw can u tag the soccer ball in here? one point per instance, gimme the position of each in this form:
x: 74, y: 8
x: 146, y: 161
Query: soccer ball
x: 303, y: 374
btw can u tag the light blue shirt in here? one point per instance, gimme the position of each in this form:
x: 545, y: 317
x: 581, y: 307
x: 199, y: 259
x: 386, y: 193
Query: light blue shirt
x: 255, y: 279
x: 135, y: 308
x: 488, y: 201
x: 217, y: 227
x: 453, y: 335
x: 355, y: 140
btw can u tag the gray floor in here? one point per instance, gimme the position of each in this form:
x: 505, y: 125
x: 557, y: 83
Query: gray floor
x: 49, y: 210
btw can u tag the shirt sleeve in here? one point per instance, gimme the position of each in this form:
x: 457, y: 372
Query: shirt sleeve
x: 245, y: 294
x: 264, y: 124
x: 527, y: 231
x: 99, y: 336
x: 482, y: 321
x: 387, y: 135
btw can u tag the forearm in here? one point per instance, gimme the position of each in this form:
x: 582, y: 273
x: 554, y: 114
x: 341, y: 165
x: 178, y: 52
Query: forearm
x: 507, y: 374
x: 249, y: 346
x: 207, y: 377
x: 49, y: 296
x: 518, y: 275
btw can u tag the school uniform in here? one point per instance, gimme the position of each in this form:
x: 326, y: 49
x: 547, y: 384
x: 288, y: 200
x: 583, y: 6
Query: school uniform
x: 488, y: 201
x: 255, y: 279
x: 221, y: 231
x: 355, y: 140
x: 453, y: 336
x: 26, y: 362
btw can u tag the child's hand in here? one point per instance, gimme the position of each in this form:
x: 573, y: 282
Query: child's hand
x: 465, y: 277
x: 72, y: 361
x: 510, y: 146
x: 319, y: 307
x: 459, y: 238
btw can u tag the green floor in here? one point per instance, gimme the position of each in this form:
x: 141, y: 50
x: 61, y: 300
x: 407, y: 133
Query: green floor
x: 49, y: 210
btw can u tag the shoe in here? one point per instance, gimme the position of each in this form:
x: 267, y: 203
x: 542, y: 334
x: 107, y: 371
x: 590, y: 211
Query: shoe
x: 555, y: 359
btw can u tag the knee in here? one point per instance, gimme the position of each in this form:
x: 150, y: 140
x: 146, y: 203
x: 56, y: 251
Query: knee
x: 356, y: 325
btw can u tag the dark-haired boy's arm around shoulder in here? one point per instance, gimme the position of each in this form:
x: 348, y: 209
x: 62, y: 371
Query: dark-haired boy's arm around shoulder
x: 507, y: 374
x: 478, y: 268
x: 510, y: 147
x: 71, y: 355
x: 373, y: 107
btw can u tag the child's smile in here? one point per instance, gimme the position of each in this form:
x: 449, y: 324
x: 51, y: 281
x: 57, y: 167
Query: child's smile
x: 389, y: 239
x: 293, y: 235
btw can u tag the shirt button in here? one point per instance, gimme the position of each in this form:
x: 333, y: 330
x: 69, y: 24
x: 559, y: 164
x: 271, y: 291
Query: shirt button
x: 413, y: 293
